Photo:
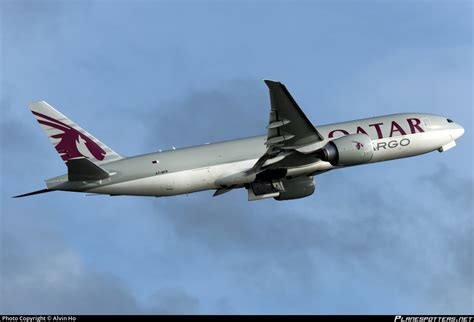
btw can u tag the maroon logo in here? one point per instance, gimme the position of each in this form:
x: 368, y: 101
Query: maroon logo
x: 358, y: 145
x: 69, y: 140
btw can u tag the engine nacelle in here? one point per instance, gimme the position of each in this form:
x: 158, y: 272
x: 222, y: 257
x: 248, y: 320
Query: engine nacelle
x: 348, y: 150
x: 295, y: 188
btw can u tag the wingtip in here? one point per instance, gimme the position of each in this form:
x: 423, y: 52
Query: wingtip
x: 271, y: 81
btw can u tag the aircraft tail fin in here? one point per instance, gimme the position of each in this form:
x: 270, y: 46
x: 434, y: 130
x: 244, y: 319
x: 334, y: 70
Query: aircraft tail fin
x: 69, y: 139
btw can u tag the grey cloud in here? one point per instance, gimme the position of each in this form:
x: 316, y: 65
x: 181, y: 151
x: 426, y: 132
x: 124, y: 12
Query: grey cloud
x: 269, y: 249
x: 172, y: 301
x: 223, y: 306
x: 457, y: 190
x: 455, y: 272
x: 339, y: 251
x: 22, y: 145
x: 41, y: 274
x: 14, y: 132
x: 401, y: 239
x: 376, y: 231
x: 230, y: 222
x: 236, y: 109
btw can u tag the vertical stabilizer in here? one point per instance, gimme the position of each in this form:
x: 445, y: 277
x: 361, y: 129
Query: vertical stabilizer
x: 69, y: 139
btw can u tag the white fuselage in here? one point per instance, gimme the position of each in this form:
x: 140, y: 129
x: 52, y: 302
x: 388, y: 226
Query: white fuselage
x: 393, y: 137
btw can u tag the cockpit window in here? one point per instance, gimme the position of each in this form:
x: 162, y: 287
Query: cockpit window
x: 449, y: 120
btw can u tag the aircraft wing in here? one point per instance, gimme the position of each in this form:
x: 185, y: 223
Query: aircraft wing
x: 289, y: 130
x: 290, y: 133
x: 288, y: 127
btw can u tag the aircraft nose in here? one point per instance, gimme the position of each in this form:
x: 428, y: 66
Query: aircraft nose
x: 457, y: 131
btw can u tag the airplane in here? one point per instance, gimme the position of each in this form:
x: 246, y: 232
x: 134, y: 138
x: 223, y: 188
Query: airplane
x: 281, y: 164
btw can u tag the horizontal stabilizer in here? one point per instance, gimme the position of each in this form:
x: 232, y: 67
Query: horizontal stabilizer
x: 83, y: 169
x: 33, y: 193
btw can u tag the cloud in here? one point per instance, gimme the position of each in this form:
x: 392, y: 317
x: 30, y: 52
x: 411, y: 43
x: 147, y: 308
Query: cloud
x: 41, y: 274
x: 456, y: 190
x: 14, y: 132
x: 238, y: 108
x: 368, y: 241
x: 350, y: 236
x: 265, y: 252
x: 365, y: 227
x: 172, y: 301
x: 278, y: 251
x: 454, y: 271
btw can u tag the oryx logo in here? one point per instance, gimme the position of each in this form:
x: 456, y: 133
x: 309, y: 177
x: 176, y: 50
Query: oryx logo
x: 72, y: 143
x: 358, y: 145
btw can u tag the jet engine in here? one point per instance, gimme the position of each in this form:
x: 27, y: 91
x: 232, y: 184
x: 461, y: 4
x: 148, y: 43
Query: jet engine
x: 348, y: 150
x: 295, y: 188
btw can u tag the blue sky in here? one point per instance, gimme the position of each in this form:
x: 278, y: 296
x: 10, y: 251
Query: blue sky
x: 394, y: 237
